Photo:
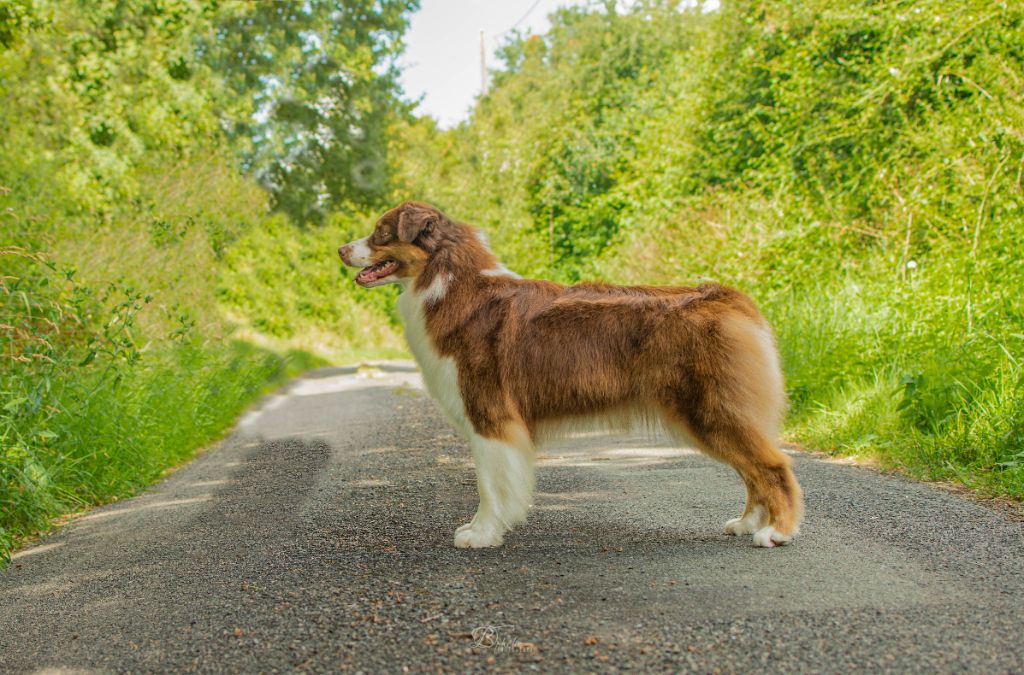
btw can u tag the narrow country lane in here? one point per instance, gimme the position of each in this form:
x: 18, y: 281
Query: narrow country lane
x: 319, y: 537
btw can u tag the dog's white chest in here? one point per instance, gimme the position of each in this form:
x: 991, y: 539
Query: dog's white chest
x: 440, y: 374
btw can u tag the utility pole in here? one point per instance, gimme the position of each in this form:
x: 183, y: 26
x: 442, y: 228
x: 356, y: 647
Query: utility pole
x: 483, y: 65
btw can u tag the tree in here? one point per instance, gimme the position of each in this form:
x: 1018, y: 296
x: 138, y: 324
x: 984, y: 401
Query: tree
x: 318, y: 88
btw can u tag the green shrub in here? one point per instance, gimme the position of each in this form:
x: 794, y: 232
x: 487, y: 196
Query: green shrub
x: 137, y: 252
x: 89, y: 415
x: 287, y: 288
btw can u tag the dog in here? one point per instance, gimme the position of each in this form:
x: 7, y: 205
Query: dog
x: 514, y: 363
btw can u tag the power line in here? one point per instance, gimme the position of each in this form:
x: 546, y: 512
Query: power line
x: 523, y: 18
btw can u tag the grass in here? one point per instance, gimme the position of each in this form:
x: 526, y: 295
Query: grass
x: 106, y: 386
x: 110, y: 436
x: 143, y: 338
x: 147, y: 293
x: 868, y: 378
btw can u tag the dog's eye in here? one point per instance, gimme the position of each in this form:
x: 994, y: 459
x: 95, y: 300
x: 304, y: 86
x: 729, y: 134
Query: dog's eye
x: 384, y: 237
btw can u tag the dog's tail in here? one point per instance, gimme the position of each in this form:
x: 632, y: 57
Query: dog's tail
x: 759, y: 392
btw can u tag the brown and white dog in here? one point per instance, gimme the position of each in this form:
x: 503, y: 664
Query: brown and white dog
x: 514, y: 362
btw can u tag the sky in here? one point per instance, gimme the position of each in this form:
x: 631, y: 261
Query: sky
x: 442, y: 56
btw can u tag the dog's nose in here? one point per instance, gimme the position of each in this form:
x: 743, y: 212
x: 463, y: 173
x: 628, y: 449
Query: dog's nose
x: 343, y: 252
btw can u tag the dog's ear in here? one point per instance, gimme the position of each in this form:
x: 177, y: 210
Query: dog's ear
x: 413, y: 221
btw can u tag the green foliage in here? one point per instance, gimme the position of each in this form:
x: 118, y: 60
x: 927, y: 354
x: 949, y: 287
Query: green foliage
x: 287, y: 288
x: 126, y: 225
x: 14, y: 14
x: 856, y: 168
x: 89, y: 415
x: 320, y: 76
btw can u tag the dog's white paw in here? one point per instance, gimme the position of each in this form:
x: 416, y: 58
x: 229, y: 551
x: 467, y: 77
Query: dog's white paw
x: 469, y: 536
x: 747, y: 524
x: 739, y: 526
x: 768, y: 536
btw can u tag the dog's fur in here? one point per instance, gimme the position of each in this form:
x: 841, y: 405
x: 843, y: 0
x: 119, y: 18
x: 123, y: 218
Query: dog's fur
x: 514, y: 362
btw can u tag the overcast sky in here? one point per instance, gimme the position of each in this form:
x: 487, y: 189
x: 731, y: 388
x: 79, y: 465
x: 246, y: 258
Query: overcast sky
x: 442, y: 57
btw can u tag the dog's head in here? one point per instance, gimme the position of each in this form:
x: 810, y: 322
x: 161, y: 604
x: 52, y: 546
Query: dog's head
x: 399, y: 247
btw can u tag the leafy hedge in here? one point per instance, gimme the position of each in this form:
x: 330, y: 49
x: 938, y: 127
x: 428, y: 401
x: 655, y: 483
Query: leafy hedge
x: 856, y: 168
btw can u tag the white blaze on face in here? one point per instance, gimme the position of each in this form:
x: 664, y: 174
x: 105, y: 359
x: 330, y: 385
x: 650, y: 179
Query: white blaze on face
x: 359, y: 253
x: 374, y: 273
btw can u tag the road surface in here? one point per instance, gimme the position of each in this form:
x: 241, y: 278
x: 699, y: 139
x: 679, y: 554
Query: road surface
x: 318, y: 537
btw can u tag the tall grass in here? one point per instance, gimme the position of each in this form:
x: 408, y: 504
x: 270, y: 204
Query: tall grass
x: 89, y: 414
x: 912, y: 362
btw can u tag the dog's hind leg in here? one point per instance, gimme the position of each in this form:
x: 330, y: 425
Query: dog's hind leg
x: 774, y: 499
x: 777, y: 507
x: 733, y: 404
x: 505, y: 481
x: 771, y: 484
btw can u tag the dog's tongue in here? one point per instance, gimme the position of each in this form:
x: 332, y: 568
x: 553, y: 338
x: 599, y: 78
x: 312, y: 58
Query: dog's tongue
x: 375, y: 272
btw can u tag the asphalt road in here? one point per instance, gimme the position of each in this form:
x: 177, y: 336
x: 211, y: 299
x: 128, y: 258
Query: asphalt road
x: 319, y: 537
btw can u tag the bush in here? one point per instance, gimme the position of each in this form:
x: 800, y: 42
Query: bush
x: 89, y: 416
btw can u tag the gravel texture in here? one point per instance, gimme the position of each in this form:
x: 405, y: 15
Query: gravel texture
x: 319, y: 537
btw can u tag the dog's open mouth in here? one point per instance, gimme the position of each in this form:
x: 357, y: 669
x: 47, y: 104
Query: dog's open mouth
x: 376, y: 272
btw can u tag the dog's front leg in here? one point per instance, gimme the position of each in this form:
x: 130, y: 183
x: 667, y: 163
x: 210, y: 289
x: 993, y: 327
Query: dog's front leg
x: 505, y: 480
